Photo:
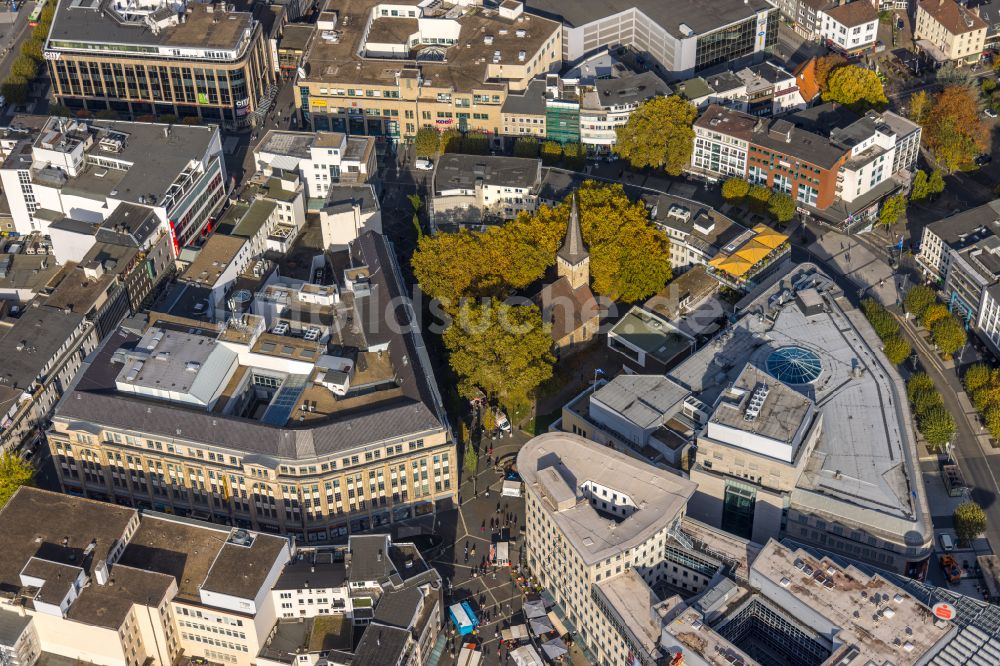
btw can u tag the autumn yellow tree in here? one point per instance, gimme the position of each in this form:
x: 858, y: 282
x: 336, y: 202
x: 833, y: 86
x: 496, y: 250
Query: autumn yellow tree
x: 920, y: 106
x: 658, y: 134
x: 953, y: 131
x: 825, y: 66
x: 855, y: 87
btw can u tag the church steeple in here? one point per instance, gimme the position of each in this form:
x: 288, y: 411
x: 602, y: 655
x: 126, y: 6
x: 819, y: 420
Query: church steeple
x: 573, y: 260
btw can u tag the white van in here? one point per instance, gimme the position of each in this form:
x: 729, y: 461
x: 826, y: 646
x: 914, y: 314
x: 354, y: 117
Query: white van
x: 947, y: 543
x: 424, y: 165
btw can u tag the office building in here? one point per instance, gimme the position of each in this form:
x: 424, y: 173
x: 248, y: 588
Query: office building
x: 322, y: 160
x: 597, y: 528
x: 91, y: 581
x: 387, y: 70
x: 644, y: 415
x: 171, y: 177
x: 798, y: 607
x: 680, y: 39
x: 783, y: 396
x: 157, y: 58
x: 949, y: 32
x: 472, y: 191
x: 305, y: 413
x: 764, y: 89
x: 835, y: 165
x: 962, y: 253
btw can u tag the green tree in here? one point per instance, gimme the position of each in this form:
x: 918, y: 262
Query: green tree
x: 986, y: 397
x: 551, y: 152
x: 935, y: 185
x: 526, y: 146
x: 991, y: 417
x: 471, y: 460
x: 659, y: 133
x: 450, y: 141
x: 949, y: 336
x: 781, y: 206
x: 925, y: 401
x: 60, y: 110
x: 892, y: 209
x: 735, y: 188
x: 475, y: 143
x: 574, y: 156
x: 897, y: 349
x: 855, y: 87
x: 502, y: 349
x: 24, y: 66
x: 918, y: 299
x: 14, y: 473
x: 933, y: 315
x: 15, y: 89
x: 882, y: 321
x: 976, y: 377
x: 33, y: 49
x: 988, y: 86
x: 760, y: 194
x: 937, y: 426
x: 919, y: 190
x: 970, y: 521
x: 919, y: 381
x: 426, y: 142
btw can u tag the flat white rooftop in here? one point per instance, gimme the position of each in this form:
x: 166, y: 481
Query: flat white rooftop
x: 556, y: 465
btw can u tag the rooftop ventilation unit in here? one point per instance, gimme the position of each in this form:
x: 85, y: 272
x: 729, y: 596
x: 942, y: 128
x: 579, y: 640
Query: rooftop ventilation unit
x: 756, y: 402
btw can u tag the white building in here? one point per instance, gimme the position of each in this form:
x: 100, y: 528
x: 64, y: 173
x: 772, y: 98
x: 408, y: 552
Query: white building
x: 474, y: 190
x: 84, y: 170
x: 962, y: 253
x: 764, y: 89
x: 322, y: 159
x: 148, y: 588
x: 850, y: 27
x: 610, y: 103
x: 597, y: 522
x: 349, y: 211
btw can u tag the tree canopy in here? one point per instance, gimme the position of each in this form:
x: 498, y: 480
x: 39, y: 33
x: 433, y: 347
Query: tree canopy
x: 953, y: 130
x: 970, y: 521
x: 976, y: 377
x: 936, y: 425
x: 526, y: 146
x: 920, y: 106
x: 781, y: 206
x: 897, y: 349
x: 14, y: 473
x: 892, y: 209
x: 500, y: 348
x: 630, y: 258
x: 825, y: 66
x: 659, y: 134
x: 856, y: 87
x: 949, y: 335
x: 427, y: 141
x: 918, y: 299
x: 735, y: 188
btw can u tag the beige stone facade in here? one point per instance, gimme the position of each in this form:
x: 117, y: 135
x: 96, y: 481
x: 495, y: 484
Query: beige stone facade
x: 951, y: 32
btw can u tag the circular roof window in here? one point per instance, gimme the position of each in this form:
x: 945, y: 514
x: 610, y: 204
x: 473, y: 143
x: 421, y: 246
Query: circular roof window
x: 794, y: 365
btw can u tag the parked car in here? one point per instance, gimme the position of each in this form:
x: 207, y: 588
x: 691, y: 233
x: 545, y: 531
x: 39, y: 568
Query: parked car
x: 947, y: 543
x: 503, y: 423
x: 984, y: 159
x: 424, y: 165
x: 990, y: 113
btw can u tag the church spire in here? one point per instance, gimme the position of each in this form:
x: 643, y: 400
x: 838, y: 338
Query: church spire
x: 573, y: 251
